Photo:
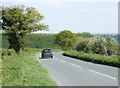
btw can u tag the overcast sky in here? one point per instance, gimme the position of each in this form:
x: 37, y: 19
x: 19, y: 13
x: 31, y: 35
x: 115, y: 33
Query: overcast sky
x: 94, y: 16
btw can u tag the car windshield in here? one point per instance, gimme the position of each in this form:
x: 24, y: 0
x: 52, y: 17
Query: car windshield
x: 46, y: 50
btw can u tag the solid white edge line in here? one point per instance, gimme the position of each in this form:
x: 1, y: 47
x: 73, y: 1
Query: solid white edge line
x: 102, y: 74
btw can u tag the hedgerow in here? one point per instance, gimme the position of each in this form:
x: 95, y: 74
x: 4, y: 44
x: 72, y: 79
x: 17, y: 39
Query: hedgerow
x: 95, y: 58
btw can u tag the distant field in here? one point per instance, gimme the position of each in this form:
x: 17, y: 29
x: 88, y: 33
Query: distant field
x: 24, y: 69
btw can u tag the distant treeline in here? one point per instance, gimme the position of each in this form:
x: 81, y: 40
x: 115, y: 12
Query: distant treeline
x: 115, y: 36
x: 48, y: 40
x: 35, y: 41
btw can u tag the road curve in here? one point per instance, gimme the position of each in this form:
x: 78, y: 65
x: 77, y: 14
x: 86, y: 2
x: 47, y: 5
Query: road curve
x: 68, y: 71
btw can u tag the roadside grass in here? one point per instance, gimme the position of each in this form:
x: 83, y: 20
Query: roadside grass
x: 0, y: 69
x: 24, y: 69
x: 95, y: 58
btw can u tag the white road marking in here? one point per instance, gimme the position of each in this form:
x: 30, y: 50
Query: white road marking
x: 102, y: 65
x: 102, y: 74
x: 63, y: 61
x: 75, y: 65
x: 56, y: 58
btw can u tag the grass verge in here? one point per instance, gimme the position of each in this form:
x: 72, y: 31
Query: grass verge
x: 24, y: 69
x: 112, y: 61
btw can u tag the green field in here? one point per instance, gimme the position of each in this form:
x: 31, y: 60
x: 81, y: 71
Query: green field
x: 95, y: 58
x: 24, y: 69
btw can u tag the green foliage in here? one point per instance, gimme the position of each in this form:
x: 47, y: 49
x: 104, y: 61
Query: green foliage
x: 0, y: 41
x: 20, y: 19
x: 66, y: 39
x: 113, y: 61
x: 82, y: 43
x: 17, y: 21
x: 41, y: 41
x: 5, y: 43
x: 78, y: 39
x: 111, y: 46
x: 35, y: 41
x: 98, y: 45
x: 84, y: 35
x: 24, y: 70
x: 81, y: 46
x: 107, y: 35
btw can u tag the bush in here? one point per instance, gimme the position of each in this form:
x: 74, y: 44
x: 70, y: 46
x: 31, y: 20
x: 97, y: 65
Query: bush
x: 81, y: 46
x: 98, y: 45
x: 111, y: 46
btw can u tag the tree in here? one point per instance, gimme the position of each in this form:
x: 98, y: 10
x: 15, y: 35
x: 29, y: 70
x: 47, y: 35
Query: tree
x: 111, y: 46
x: 18, y: 21
x: 81, y: 46
x: 66, y: 39
x: 100, y: 45
x: 78, y: 39
x: 85, y: 35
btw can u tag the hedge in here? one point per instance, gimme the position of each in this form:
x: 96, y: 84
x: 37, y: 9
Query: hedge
x: 95, y: 58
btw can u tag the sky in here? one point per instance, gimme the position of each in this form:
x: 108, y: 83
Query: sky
x: 94, y: 16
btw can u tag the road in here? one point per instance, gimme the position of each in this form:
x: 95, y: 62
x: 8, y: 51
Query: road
x: 68, y: 71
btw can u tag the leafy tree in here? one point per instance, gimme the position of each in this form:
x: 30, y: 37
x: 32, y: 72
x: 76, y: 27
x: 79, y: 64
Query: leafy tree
x: 100, y: 45
x: 111, y: 46
x: 90, y: 46
x: 66, y: 39
x: 35, y: 40
x: 81, y: 46
x: 78, y: 39
x: 17, y: 21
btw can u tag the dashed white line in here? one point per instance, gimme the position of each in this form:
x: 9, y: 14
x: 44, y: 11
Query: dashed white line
x: 63, y: 61
x: 56, y: 58
x: 102, y: 74
x: 75, y: 65
x: 90, y: 70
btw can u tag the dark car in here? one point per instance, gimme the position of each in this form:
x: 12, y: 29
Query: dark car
x: 46, y: 53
